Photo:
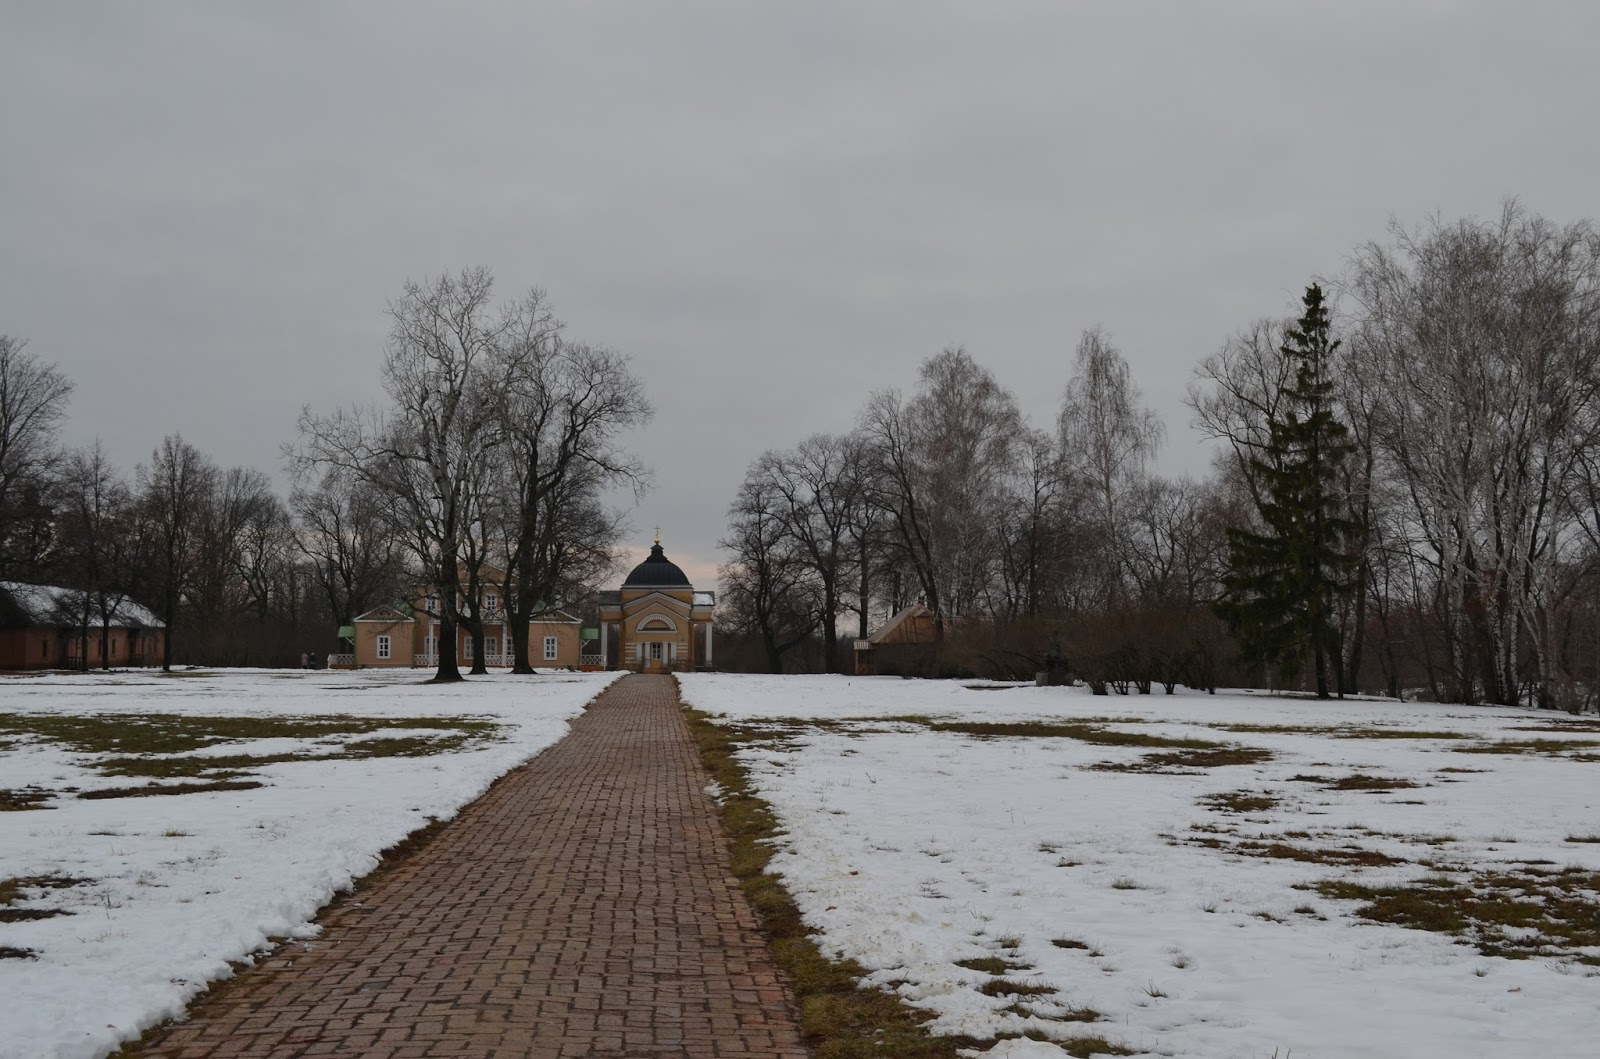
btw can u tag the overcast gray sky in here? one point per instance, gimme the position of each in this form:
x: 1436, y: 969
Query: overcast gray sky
x: 774, y: 209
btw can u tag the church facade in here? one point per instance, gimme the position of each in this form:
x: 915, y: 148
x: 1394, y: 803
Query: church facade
x: 657, y: 622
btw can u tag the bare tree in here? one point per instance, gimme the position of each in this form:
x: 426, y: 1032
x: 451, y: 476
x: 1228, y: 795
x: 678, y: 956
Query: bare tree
x: 819, y: 489
x: 33, y: 401
x: 1483, y: 339
x: 940, y: 464
x: 434, y: 442
x: 563, y: 408
x: 1108, y: 438
x: 353, y: 552
x: 174, y: 488
x: 768, y: 591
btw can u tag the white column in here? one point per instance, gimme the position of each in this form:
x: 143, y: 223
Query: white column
x: 708, y: 644
x: 605, y: 641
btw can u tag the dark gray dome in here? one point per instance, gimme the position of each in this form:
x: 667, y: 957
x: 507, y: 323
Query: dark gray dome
x: 657, y: 572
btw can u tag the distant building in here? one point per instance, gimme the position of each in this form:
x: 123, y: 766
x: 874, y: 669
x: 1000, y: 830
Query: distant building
x: 407, y: 634
x: 902, y: 645
x: 657, y: 621
x: 41, y: 627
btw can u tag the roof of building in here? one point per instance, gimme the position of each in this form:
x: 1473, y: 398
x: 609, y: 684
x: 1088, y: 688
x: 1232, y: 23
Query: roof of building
x: 388, y: 613
x: 25, y: 606
x: 657, y: 571
x: 916, y: 610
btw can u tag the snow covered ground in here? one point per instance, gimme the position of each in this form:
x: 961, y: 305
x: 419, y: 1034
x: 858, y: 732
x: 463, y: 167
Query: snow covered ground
x: 1124, y: 885
x: 165, y: 891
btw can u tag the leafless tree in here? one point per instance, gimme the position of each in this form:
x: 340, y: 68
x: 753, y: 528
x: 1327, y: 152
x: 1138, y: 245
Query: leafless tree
x: 174, y: 489
x: 351, y: 550
x: 941, y: 461
x: 819, y: 488
x: 1483, y: 339
x: 434, y: 441
x: 33, y: 401
x: 769, y: 592
x: 563, y: 408
x: 1108, y: 439
x: 101, y: 544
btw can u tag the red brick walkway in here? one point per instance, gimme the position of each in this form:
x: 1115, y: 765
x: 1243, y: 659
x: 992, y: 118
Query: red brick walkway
x: 583, y: 907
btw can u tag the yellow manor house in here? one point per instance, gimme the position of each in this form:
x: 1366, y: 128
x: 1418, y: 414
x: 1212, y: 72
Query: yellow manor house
x: 657, y: 622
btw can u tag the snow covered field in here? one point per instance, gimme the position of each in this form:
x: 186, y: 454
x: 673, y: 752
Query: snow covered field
x: 1150, y: 894
x: 164, y: 891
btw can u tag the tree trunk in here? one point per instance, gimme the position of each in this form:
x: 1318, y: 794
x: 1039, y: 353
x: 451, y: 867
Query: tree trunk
x: 518, y: 621
x: 830, y: 629
x: 171, y: 618
x: 449, y: 591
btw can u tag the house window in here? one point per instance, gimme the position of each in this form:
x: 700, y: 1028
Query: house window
x: 383, y: 646
x: 550, y: 648
x: 433, y: 604
x: 427, y: 644
x: 468, y: 653
x: 655, y: 652
x: 490, y: 647
x: 491, y: 604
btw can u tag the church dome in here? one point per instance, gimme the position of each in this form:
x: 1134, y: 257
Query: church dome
x: 657, y: 572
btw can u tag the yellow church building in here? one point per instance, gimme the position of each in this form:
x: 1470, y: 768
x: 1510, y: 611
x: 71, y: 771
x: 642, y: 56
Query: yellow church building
x: 657, y: 621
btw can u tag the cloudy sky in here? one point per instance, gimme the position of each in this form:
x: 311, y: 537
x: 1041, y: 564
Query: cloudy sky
x: 774, y: 208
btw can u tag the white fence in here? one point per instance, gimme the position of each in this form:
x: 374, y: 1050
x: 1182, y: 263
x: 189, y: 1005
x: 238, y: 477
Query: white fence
x: 505, y: 660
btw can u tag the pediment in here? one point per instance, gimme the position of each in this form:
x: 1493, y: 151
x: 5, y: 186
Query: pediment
x: 654, y: 599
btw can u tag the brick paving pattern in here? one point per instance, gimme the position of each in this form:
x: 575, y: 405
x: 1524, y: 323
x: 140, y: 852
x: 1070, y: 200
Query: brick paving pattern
x: 583, y: 907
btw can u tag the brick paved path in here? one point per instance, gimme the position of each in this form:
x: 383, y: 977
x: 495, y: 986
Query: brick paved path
x: 583, y: 907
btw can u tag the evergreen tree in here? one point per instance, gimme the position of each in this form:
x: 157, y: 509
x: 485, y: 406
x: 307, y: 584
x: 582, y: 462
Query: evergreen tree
x: 1282, y: 585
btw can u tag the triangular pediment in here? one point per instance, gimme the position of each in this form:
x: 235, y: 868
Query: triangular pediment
x: 654, y: 599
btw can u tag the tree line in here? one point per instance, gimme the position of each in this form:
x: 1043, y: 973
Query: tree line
x: 1405, y: 497
x: 485, y: 465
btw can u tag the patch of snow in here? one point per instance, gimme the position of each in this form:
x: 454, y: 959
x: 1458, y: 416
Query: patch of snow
x: 177, y: 887
x: 909, y: 850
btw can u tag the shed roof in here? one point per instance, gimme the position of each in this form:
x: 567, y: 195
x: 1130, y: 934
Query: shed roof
x: 25, y: 606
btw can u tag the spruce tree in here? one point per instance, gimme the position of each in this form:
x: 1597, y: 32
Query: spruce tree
x: 1283, y: 584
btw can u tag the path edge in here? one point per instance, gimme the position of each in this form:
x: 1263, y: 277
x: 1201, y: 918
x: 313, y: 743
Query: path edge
x: 839, y: 1017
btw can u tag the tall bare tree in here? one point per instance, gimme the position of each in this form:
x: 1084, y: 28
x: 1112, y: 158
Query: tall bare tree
x: 819, y: 487
x: 940, y: 463
x: 33, y: 401
x: 563, y: 409
x: 1108, y: 438
x: 351, y: 548
x: 174, y: 489
x: 427, y: 450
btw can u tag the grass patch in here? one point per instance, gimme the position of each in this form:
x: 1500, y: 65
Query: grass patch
x: 1515, y: 914
x: 23, y: 799
x: 1084, y: 732
x: 145, y: 744
x: 1342, y: 731
x: 1189, y: 759
x: 998, y: 987
x: 1583, y: 838
x: 839, y: 1018
x: 1548, y: 747
x: 11, y: 952
x: 986, y: 965
x: 13, y: 891
x: 1083, y: 1047
x: 1356, y: 781
x: 1239, y: 801
x: 1345, y: 856
x: 1069, y: 943
x: 152, y: 789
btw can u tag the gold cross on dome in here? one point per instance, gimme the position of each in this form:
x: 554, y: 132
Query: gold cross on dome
x: 658, y: 533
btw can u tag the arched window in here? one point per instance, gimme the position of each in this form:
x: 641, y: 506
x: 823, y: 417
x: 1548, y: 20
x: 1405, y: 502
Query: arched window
x: 658, y: 623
